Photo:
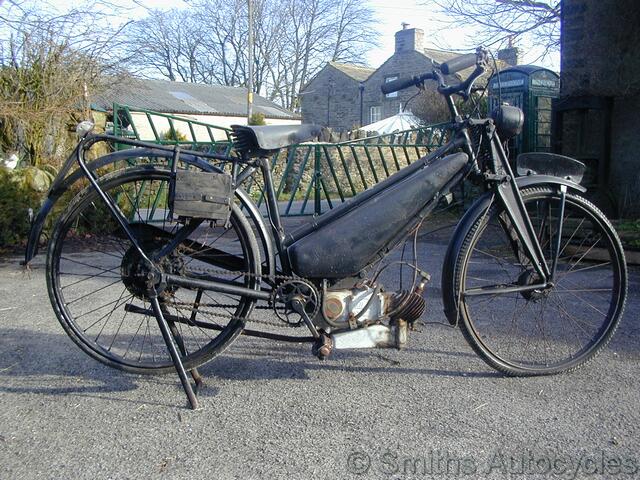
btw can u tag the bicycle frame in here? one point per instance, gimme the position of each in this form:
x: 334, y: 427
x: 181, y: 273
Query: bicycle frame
x: 501, y: 182
x: 284, y: 240
x: 417, y: 188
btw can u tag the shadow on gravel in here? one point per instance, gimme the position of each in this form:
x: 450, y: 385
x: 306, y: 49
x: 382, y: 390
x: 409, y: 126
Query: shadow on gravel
x: 33, y: 362
x: 42, y: 363
x: 294, y: 361
x: 49, y: 364
x: 245, y: 369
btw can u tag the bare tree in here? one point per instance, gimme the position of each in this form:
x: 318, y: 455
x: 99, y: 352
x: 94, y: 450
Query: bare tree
x: 225, y: 33
x: 293, y: 39
x: 50, y: 63
x: 206, y: 43
x: 353, y: 35
x: 317, y: 31
x: 429, y: 106
x: 500, y: 22
x: 166, y: 43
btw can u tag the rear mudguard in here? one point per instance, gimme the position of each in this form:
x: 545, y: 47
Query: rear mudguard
x: 466, y: 222
x: 61, y: 187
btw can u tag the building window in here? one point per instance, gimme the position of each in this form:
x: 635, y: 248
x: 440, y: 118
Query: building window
x: 391, y: 79
x: 375, y: 114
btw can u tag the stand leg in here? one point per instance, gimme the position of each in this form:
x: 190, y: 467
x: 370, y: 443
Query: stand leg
x: 180, y: 342
x: 173, y: 351
x: 195, y: 373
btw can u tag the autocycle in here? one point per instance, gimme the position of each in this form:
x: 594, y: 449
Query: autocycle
x: 534, y: 274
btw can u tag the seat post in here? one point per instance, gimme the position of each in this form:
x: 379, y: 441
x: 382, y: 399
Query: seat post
x: 272, y: 202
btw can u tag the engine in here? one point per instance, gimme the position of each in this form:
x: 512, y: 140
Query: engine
x: 351, y: 308
x: 361, y: 305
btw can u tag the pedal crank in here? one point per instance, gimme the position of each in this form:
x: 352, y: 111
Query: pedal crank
x: 298, y: 305
x: 323, y: 346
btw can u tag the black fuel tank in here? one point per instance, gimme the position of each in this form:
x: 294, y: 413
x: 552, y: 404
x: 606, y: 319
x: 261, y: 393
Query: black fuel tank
x: 343, y: 241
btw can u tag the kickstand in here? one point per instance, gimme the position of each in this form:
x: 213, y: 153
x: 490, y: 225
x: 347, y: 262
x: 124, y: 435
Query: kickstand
x: 175, y: 355
x: 178, y: 338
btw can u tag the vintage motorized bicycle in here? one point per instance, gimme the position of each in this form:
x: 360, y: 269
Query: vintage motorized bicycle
x: 160, y: 266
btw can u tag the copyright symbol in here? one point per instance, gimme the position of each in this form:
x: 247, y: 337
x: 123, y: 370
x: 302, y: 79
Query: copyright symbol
x: 358, y: 463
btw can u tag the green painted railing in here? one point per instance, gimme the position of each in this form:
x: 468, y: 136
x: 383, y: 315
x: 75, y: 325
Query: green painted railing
x: 166, y: 129
x: 310, y: 178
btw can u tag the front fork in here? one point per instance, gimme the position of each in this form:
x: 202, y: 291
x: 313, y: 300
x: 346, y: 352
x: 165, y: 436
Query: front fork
x: 511, y: 199
x: 509, y: 195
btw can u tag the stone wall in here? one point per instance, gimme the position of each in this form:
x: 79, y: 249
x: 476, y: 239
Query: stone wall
x: 624, y: 173
x: 332, y: 99
x: 601, y: 58
x: 600, y: 47
x: 402, y: 64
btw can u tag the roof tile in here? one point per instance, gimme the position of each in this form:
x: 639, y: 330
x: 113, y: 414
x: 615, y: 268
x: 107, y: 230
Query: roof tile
x: 356, y: 72
x: 187, y: 98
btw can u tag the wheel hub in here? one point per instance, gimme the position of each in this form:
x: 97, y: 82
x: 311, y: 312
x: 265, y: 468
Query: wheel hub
x: 140, y: 279
x: 529, y: 277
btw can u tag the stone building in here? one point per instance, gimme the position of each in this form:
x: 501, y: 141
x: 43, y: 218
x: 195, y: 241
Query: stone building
x: 332, y: 97
x: 343, y: 96
x: 598, y: 113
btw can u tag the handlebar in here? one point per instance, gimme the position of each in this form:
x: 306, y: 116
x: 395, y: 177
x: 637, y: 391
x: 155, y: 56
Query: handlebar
x: 447, y: 68
x: 459, y: 63
x: 402, y: 83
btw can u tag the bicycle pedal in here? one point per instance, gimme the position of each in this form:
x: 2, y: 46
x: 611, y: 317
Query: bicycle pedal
x: 322, y: 347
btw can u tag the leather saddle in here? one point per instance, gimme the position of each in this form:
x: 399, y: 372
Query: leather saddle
x: 255, y: 141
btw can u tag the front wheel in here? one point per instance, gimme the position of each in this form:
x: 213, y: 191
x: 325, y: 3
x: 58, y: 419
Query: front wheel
x: 547, y: 330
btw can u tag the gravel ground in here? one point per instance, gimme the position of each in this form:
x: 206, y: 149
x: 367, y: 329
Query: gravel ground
x: 271, y: 410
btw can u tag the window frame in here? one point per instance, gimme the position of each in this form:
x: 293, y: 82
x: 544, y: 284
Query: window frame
x: 378, y: 109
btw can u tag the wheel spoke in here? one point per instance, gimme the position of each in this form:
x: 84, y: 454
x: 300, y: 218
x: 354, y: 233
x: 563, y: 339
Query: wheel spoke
x: 105, y: 300
x: 546, y: 328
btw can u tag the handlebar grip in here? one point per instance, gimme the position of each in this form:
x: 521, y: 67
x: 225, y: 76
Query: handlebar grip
x: 399, y: 84
x: 459, y: 63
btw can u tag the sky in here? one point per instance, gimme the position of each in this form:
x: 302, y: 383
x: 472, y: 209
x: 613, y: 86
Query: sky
x: 390, y: 16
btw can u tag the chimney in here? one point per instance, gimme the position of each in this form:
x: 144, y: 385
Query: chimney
x: 509, y: 55
x: 409, y: 39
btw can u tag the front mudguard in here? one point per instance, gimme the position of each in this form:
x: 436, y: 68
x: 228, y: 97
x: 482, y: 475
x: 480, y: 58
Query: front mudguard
x: 449, y: 299
x: 59, y: 188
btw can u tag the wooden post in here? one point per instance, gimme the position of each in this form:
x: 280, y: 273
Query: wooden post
x: 250, y: 66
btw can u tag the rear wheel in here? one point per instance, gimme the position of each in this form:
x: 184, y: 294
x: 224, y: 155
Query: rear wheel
x: 547, y: 330
x: 96, y: 284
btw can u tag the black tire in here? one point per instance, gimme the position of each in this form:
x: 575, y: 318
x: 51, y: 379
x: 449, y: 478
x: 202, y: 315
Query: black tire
x: 551, y: 330
x: 89, y: 252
